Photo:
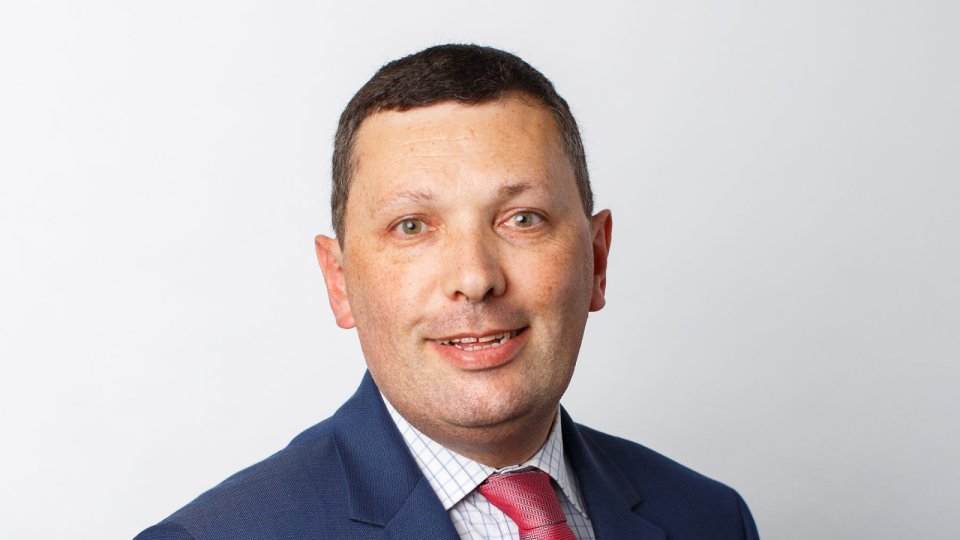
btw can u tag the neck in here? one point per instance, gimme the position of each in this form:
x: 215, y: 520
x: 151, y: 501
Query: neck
x: 498, y: 449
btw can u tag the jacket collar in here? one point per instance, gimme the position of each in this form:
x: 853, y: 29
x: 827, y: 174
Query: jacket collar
x: 386, y: 488
x: 610, y: 498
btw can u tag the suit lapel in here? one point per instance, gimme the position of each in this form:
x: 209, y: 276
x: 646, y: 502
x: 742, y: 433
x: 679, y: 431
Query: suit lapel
x: 385, y: 486
x: 608, y: 495
x: 421, y: 516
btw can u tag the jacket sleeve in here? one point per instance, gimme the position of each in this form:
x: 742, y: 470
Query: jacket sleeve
x: 749, y: 527
x: 165, y: 531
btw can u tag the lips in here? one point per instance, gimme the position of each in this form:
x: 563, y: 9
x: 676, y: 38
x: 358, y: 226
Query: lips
x: 480, y: 342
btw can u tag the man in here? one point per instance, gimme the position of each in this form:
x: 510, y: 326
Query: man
x: 468, y: 257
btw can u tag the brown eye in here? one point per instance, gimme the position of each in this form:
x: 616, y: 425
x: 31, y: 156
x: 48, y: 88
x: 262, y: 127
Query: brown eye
x: 525, y: 219
x: 411, y: 226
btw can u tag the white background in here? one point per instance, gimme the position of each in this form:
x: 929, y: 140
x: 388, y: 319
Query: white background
x: 783, y: 306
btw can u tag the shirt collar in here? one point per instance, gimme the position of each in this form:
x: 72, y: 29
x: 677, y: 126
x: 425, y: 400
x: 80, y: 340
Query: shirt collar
x: 453, y: 476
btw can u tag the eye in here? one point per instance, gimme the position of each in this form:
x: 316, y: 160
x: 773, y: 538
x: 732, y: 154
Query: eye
x: 410, y: 226
x: 525, y: 219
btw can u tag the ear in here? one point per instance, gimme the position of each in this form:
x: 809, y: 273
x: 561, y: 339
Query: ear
x: 602, y: 226
x: 331, y: 264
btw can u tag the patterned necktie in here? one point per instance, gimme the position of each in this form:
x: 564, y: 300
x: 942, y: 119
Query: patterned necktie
x: 529, y: 500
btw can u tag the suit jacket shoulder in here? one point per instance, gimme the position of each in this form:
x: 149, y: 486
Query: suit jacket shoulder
x: 291, y: 494
x: 682, y: 502
x: 348, y: 477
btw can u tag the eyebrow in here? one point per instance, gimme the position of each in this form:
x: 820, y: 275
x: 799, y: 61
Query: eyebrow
x: 414, y: 195
x: 406, y: 196
x: 512, y: 190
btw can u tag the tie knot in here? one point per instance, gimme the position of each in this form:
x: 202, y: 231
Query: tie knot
x: 529, y: 500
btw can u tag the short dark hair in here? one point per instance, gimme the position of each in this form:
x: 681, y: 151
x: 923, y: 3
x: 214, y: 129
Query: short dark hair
x: 468, y: 74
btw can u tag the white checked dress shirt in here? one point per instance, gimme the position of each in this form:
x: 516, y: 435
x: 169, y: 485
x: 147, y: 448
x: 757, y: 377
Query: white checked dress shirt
x: 455, y: 478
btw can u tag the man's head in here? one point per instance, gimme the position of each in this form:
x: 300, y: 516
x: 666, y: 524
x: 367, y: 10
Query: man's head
x: 466, y: 259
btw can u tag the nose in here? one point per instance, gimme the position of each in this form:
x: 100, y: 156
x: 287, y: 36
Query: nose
x: 472, y: 269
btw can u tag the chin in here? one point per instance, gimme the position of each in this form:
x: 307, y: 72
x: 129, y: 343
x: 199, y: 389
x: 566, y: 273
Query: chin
x: 485, y: 407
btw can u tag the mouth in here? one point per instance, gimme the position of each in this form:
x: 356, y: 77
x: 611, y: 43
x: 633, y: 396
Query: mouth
x: 476, y: 342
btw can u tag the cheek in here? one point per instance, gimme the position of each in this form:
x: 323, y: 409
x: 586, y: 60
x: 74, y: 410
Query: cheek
x: 385, y: 293
x: 559, y: 275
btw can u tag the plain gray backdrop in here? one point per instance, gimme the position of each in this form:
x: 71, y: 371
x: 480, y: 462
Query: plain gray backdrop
x: 783, y: 301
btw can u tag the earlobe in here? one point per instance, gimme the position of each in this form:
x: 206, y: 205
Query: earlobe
x: 331, y: 264
x: 602, y: 226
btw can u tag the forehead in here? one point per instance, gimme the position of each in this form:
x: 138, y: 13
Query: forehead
x: 510, y: 139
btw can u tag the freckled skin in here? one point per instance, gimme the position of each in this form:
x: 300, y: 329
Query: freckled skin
x: 469, y: 268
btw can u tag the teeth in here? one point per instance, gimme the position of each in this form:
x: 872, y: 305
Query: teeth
x: 496, y: 339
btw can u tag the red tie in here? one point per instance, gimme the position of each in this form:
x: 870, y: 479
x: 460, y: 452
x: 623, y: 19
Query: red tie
x: 528, y: 499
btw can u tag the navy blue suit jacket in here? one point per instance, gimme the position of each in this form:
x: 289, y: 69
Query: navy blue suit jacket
x: 352, y: 477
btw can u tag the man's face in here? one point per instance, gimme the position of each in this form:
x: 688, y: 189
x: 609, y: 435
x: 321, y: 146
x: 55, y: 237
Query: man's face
x: 469, y: 265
